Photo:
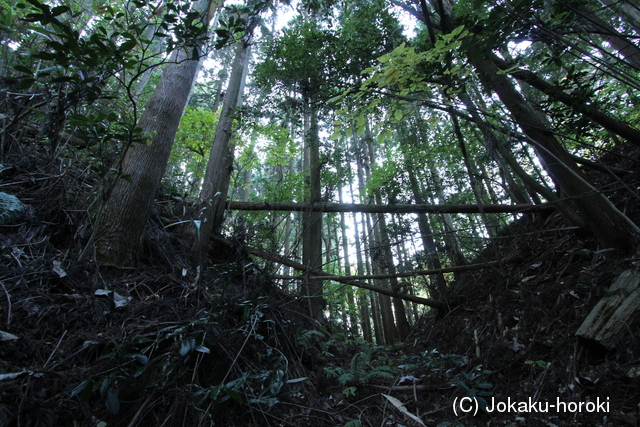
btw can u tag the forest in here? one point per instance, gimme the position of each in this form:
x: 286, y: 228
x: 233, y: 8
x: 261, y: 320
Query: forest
x: 319, y: 212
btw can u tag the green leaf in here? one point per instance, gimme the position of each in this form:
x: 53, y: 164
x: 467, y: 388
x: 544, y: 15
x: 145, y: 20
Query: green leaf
x: 458, y: 30
x: 63, y: 79
x: 79, y: 388
x: 59, y: 10
x: 202, y: 349
x: 349, y: 391
x: 26, y: 83
x: 186, y: 346
x: 105, y: 386
x: 112, y: 402
x: 23, y: 69
x: 141, y: 358
x: 127, y: 46
x: 233, y: 394
x: 7, y: 17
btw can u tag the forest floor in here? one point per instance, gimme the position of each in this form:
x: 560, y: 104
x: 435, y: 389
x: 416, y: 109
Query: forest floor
x: 163, y: 345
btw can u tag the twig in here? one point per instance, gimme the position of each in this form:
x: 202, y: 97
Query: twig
x: 565, y: 267
x: 253, y: 325
x: 541, y: 382
x: 8, y: 303
x: 140, y: 409
x: 54, y: 350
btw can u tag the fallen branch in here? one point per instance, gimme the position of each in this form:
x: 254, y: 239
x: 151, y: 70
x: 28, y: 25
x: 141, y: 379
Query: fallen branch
x: 346, y: 207
x: 598, y: 166
x: 269, y: 256
x: 455, y: 269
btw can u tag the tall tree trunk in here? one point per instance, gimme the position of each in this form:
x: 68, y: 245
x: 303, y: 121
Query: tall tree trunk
x: 606, y: 32
x: 403, y: 327
x: 378, y: 324
x: 122, y: 216
x: 312, y: 221
x: 376, y: 248
x: 472, y: 174
x: 453, y: 245
x: 218, y: 98
x: 156, y: 47
x: 215, y: 185
x: 389, y: 329
x: 609, y: 225
x: 403, y: 256
x: 288, y: 228
x: 364, y: 304
x: 627, y: 9
x: 428, y: 242
x: 579, y: 105
x: 385, y: 311
x: 376, y: 315
x: 504, y: 158
x: 347, y: 268
x: 450, y: 237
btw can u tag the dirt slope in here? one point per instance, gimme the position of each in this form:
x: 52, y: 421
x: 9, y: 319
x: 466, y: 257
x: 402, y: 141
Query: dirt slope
x: 164, y: 344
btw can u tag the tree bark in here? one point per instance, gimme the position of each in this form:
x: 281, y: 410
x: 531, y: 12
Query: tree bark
x: 393, y: 313
x: 364, y: 161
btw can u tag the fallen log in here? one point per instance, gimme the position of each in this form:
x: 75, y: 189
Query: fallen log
x: 456, y: 269
x: 269, y: 256
x: 614, y: 313
x: 403, y: 208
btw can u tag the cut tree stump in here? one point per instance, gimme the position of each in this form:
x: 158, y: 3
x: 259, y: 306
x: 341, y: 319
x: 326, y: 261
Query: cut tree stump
x: 11, y: 209
x: 612, y: 317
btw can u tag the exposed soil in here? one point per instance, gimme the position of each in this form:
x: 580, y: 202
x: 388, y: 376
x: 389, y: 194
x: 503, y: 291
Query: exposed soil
x: 163, y: 344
